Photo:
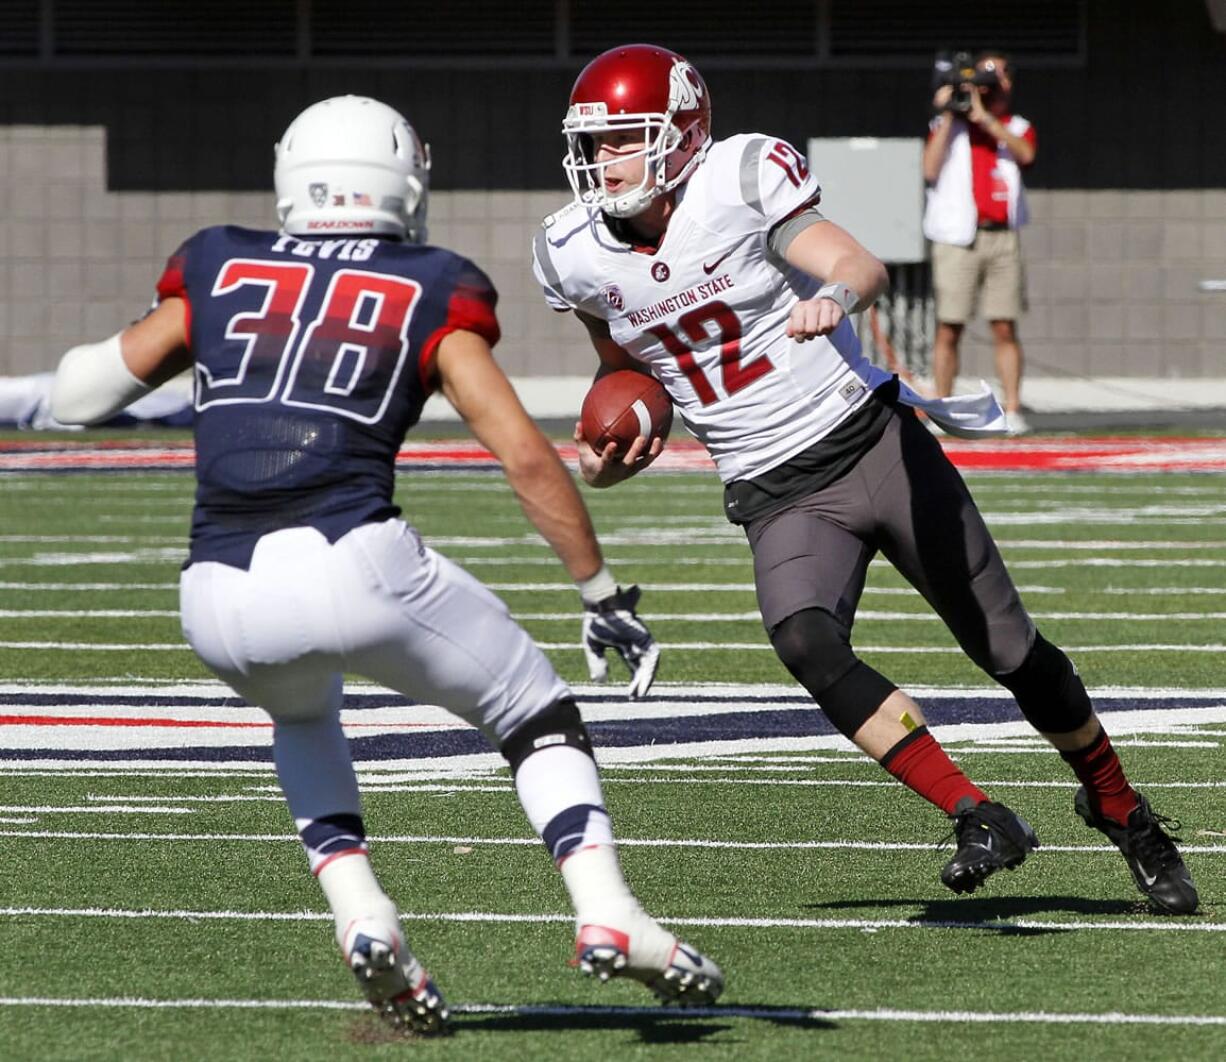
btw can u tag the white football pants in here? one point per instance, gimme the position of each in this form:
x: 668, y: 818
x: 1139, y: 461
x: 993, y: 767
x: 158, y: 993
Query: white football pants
x: 377, y: 603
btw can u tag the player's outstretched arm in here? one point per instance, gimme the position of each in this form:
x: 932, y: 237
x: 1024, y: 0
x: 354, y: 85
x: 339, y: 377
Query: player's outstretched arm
x: 480, y: 392
x: 96, y: 380
x: 852, y: 278
x: 474, y: 384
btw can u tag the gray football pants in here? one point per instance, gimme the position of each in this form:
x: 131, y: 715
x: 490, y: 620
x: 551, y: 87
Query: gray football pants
x: 907, y: 500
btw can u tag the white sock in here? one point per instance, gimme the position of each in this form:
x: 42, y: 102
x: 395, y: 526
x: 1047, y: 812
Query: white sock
x: 559, y: 789
x: 554, y: 779
x: 353, y: 892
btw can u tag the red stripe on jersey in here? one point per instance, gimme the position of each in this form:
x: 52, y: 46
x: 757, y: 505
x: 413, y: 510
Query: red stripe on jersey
x: 172, y: 285
x: 470, y: 309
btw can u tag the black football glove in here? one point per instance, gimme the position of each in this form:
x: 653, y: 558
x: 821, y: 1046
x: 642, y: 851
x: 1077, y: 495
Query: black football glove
x: 612, y: 624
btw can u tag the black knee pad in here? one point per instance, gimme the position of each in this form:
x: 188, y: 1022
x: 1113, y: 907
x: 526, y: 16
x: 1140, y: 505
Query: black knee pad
x: 816, y: 649
x: 559, y: 724
x: 1048, y: 689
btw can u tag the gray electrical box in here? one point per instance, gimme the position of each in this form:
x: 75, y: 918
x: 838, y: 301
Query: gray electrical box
x: 874, y: 188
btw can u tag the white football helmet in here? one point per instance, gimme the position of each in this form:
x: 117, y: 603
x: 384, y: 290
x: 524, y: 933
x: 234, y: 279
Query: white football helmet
x: 352, y: 165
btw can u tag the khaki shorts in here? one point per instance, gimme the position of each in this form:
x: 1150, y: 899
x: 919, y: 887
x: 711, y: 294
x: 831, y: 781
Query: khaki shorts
x: 991, y: 268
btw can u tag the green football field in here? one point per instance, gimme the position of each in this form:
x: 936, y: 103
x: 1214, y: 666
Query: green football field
x: 159, y: 910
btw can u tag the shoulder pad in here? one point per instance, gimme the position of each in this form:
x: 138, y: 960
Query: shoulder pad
x: 561, y: 215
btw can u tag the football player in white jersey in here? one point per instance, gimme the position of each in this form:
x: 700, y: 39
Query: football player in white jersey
x: 708, y: 264
x: 300, y: 568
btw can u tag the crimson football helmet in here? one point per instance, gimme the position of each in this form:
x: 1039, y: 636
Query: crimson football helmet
x: 636, y: 86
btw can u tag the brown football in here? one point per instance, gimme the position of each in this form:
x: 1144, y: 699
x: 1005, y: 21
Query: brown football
x: 623, y: 405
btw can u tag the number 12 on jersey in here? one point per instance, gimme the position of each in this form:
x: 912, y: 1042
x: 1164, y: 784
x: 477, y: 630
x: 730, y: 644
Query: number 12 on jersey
x: 734, y: 374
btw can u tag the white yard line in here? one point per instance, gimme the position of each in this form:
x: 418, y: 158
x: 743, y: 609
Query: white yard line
x: 1172, y: 925
x: 88, y: 586
x: 162, y: 647
x: 636, y: 842
x: 712, y: 534
x: 101, y: 809
x: 861, y: 614
x: 670, y: 1013
x: 89, y: 613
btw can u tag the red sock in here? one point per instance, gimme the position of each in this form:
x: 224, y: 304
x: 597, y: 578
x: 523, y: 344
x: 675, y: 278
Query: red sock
x: 1098, y: 768
x: 921, y: 764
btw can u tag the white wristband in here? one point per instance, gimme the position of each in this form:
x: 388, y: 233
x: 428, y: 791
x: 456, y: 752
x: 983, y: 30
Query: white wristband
x: 600, y: 586
x: 840, y: 294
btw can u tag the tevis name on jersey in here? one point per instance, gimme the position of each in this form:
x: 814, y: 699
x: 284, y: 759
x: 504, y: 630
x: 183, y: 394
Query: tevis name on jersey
x: 313, y: 357
x: 690, y: 297
x: 750, y: 394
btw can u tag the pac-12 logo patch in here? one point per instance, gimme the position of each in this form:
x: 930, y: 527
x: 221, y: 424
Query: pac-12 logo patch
x: 319, y: 193
x: 660, y: 271
x: 613, y: 296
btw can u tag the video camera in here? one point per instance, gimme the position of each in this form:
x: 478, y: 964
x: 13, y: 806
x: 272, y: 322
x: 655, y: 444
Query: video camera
x: 958, y: 69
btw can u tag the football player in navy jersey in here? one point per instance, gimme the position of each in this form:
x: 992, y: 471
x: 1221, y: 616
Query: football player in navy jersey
x: 313, y: 349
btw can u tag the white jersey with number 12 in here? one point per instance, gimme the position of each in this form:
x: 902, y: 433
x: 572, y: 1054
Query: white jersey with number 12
x: 707, y: 312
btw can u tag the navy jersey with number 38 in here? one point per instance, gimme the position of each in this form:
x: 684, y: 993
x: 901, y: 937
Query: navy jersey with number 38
x: 312, y: 359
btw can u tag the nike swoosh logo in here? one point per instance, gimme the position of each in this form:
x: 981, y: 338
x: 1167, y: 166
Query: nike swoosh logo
x: 1147, y: 879
x: 709, y: 269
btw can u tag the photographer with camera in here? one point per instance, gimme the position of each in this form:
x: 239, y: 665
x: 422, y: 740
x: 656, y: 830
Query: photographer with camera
x: 973, y: 159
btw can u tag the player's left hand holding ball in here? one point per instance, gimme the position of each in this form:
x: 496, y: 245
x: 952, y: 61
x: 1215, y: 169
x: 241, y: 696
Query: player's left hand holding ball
x: 610, y: 466
x: 613, y: 624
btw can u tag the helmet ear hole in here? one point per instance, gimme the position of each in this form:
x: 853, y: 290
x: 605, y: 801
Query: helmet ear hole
x: 413, y: 193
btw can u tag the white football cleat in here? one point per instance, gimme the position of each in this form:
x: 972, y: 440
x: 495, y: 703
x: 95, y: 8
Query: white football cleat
x: 396, y: 984
x: 683, y: 976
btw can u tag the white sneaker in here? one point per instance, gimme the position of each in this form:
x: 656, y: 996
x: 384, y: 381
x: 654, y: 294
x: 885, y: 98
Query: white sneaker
x: 674, y: 971
x: 1018, y: 425
x: 393, y: 980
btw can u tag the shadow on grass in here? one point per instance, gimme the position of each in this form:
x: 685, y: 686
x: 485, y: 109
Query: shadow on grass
x: 991, y: 913
x: 654, y: 1025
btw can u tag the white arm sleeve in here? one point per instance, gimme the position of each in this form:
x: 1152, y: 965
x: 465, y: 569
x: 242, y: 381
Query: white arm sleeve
x: 93, y: 382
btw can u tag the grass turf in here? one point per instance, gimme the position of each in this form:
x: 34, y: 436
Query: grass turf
x: 986, y: 965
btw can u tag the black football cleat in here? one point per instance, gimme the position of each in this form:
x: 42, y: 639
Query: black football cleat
x: 990, y: 837
x: 1155, y: 862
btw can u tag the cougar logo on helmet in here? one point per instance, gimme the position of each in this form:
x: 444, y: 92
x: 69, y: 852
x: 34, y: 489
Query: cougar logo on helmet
x: 684, y: 87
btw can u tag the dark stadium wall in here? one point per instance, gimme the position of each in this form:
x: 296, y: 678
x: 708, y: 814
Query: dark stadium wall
x: 1141, y: 108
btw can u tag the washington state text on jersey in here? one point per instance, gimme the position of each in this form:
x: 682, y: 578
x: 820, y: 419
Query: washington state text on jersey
x: 689, y: 297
